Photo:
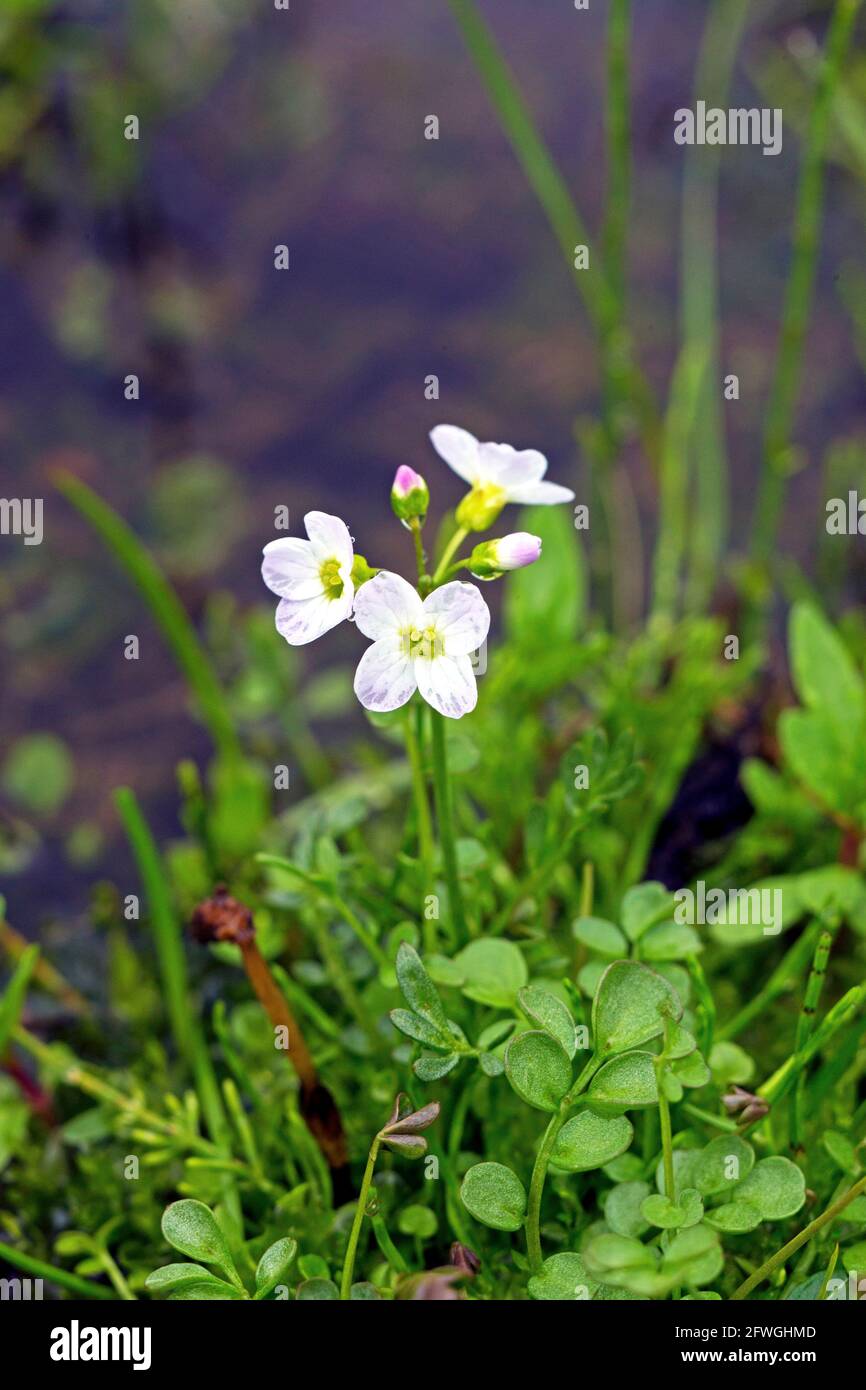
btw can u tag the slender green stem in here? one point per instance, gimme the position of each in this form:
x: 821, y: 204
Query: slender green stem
x: 542, y: 1162
x: 82, y: 1287
x: 553, y: 194
x: 667, y: 1141
x: 426, y: 843
x: 450, y: 550
x: 782, y: 979
x: 420, y: 559
x: 536, y: 1191
x: 674, y: 484
x: 805, y: 1027
x: 773, y: 1263
x: 387, y: 1246
x: 699, y: 301
x: 360, y: 1209
x: 798, y: 295
x: 444, y: 813
x: 841, y: 1014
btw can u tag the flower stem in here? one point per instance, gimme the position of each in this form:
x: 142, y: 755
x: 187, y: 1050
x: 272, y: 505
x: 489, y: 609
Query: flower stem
x: 542, y: 1161
x: 667, y: 1142
x: 426, y: 846
x: 354, y: 1234
x: 446, y: 829
x: 453, y: 545
x: 82, y: 1287
x: 420, y: 560
x: 773, y: 1263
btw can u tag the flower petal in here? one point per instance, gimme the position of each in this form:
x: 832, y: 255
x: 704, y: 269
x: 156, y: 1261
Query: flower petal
x: 511, y: 467
x: 448, y: 684
x: 462, y: 618
x: 301, y: 621
x: 459, y: 449
x: 329, y: 537
x: 290, y: 569
x: 544, y: 494
x: 385, y: 679
x: 385, y: 605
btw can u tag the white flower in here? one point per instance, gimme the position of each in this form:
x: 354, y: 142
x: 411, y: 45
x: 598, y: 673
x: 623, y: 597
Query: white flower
x: 312, y: 578
x: 496, y: 473
x: 419, y: 646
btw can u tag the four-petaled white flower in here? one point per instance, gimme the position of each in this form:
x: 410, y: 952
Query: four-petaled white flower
x: 419, y: 645
x: 496, y: 473
x: 312, y: 578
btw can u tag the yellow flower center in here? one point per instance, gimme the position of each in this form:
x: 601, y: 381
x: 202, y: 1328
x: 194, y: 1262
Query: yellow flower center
x: 329, y: 573
x: 426, y: 644
x: 480, y: 507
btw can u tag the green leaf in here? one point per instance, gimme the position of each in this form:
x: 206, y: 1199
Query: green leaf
x: 544, y: 604
x: 643, y: 906
x: 823, y: 671
x: 317, y: 1291
x: 494, y: 1195
x: 173, y: 1276
x: 417, y: 1027
x: 563, y: 1278
x: 418, y: 989
x: 730, y: 1065
x: 588, y: 1141
x: 416, y: 1220
x: 775, y: 1186
x: 735, y: 1218
x: 630, y: 1007
x: 429, y: 1067
x: 627, y: 1082
x: 273, y: 1267
x: 686, y: 1211
x: 551, y: 1014
x: 191, y: 1228
x: 494, y: 971
x: 538, y: 1069
x: 724, y: 1162
x: 600, y: 936
x: 15, y: 994
x: 206, y: 1290
x: 842, y: 1151
x: 623, y: 1208
x: 670, y: 941
x: 691, y: 1070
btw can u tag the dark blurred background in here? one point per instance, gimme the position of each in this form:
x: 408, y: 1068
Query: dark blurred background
x: 305, y: 387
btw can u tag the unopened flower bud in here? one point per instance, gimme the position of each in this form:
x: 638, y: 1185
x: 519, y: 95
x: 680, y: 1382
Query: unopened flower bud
x: 410, y: 496
x: 493, y: 558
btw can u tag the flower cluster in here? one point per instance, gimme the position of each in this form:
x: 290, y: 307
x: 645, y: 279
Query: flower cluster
x: 422, y: 638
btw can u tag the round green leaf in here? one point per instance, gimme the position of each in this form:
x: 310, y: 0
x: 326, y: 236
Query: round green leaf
x: 191, y: 1228
x: 630, y: 1007
x: 734, y: 1217
x: 493, y: 972
x: 429, y: 1067
x: 416, y: 1220
x: 208, y: 1290
x: 643, y: 906
x: 563, y: 1278
x: 538, y: 1069
x: 724, y: 1162
x: 623, y: 1208
x: 625, y: 1083
x: 670, y: 941
x: 589, y: 1141
x: 551, y: 1014
x: 604, y: 938
x: 686, y: 1211
x: 494, y: 1195
x: 317, y: 1291
x: 842, y: 1151
x: 775, y: 1186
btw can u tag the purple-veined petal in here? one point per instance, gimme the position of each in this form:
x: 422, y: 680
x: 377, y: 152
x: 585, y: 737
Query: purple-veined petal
x: 386, y: 605
x: 302, y: 621
x: 448, y: 684
x: 385, y: 678
x: 290, y: 569
x: 462, y: 618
